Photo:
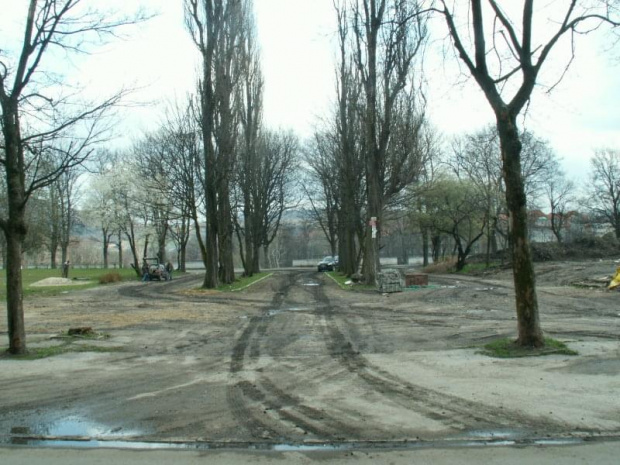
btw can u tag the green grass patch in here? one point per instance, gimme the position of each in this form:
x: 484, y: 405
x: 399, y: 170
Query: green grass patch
x: 341, y: 279
x: 243, y: 282
x: 478, y: 268
x: 91, y: 277
x: 507, y: 348
x: 46, y: 352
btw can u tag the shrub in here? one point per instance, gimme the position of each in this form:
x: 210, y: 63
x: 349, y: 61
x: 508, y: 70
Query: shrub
x: 110, y: 278
x: 443, y: 266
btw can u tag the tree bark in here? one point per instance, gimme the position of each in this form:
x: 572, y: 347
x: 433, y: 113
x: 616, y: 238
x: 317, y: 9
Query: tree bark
x: 227, y: 269
x: 106, y: 243
x: 15, y: 226
x: 528, y: 320
x: 425, y: 246
x: 120, y: 250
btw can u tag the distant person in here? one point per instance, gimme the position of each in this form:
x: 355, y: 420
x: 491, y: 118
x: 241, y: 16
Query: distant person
x: 145, y: 271
x: 169, y: 269
x: 65, y: 269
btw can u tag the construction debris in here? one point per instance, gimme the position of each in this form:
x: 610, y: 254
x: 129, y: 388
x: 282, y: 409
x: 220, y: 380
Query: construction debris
x: 615, y: 281
x: 389, y: 281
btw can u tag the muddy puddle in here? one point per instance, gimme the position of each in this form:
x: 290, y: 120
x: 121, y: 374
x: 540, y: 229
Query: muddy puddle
x: 70, y: 431
x: 78, y: 432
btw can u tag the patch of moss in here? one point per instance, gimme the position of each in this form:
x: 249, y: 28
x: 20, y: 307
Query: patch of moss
x: 508, y: 348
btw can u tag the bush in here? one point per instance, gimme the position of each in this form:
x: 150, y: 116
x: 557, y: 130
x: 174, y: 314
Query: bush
x: 547, y: 251
x: 110, y: 278
x: 443, y: 266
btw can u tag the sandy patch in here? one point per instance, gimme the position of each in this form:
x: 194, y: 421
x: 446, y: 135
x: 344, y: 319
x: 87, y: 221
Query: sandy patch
x: 59, y: 282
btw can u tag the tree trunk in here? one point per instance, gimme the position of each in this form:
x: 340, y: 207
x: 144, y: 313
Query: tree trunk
x: 225, y: 240
x: 347, y: 259
x: 145, y: 250
x: 211, y: 248
x: 530, y: 333
x: 14, y: 292
x: 161, y: 244
x: 15, y: 226
x: 425, y: 247
x: 120, y: 250
x: 106, y: 243
x: 64, y: 252
x: 53, y: 261
x: 248, y: 253
x: 436, y: 247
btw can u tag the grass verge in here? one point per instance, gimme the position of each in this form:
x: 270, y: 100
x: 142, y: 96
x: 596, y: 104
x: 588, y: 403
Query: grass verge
x: 479, y: 268
x: 507, y: 348
x: 243, y: 282
x: 86, y: 278
x: 46, y: 352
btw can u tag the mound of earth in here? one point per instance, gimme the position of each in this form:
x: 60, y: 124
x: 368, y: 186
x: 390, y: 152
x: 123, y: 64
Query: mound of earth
x: 58, y: 282
x: 581, y: 249
x: 589, y: 248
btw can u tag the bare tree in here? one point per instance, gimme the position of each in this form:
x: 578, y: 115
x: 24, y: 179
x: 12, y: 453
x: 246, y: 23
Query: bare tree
x: 217, y: 29
x: 186, y: 176
x: 251, y: 112
x: 323, y: 188
x: 153, y: 160
x: 388, y: 35
x: 349, y: 163
x: 271, y: 192
x: 477, y: 157
x: 506, y: 61
x: 603, y: 188
x: 560, y: 194
x: 38, y: 122
x: 131, y: 210
x: 68, y: 189
x: 98, y: 211
x: 457, y: 208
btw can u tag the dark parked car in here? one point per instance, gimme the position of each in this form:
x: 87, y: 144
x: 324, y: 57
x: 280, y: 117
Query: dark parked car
x: 327, y: 264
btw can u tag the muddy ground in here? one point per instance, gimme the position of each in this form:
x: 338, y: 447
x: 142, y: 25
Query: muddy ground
x: 296, y: 360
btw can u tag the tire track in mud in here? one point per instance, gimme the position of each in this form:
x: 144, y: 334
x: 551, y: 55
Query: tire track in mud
x: 263, y: 409
x: 452, y: 411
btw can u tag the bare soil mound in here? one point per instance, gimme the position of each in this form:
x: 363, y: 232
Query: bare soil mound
x: 58, y: 282
x: 581, y: 249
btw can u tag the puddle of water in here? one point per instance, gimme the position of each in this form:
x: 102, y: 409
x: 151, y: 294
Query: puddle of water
x: 492, y: 434
x: 303, y: 447
x: 93, y: 443
x: 78, y: 432
x: 558, y: 442
x: 311, y: 284
x: 74, y: 428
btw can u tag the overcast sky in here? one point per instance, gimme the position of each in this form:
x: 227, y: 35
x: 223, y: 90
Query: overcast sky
x: 297, y: 43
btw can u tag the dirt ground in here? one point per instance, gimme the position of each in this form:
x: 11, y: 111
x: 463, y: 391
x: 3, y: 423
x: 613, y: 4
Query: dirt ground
x: 294, y: 360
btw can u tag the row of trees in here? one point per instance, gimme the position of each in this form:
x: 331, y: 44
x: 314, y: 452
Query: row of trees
x: 379, y: 40
x: 46, y: 129
x: 378, y: 146
x: 247, y: 168
x: 153, y: 194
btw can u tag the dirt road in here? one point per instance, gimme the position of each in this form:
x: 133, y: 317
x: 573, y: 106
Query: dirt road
x: 295, y: 360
